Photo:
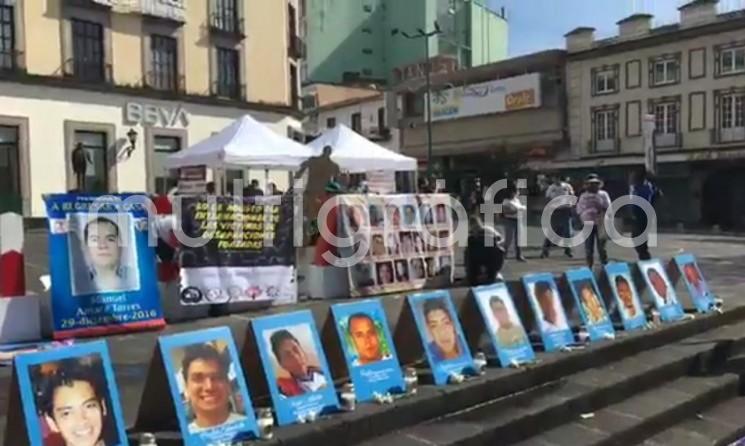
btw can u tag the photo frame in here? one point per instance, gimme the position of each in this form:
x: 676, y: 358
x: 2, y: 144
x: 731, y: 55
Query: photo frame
x: 627, y: 298
x: 551, y: 319
x: 289, y: 346
x: 502, y: 322
x: 590, y: 303
x: 208, y: 388
x: 697, y: 286
x: 369, y: 352
x: 661, y: 290
x: 442, y: 337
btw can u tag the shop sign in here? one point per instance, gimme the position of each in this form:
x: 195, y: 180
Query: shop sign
x: 442, y: 64
x: 155, y: 115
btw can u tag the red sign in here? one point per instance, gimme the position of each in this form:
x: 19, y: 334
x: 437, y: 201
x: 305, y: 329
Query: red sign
x: 442, y: 64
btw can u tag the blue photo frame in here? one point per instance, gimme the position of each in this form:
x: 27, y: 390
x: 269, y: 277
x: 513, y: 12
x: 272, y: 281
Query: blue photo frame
x: 295, y: 334
x: 590, y: 304
x: 626, y: 296
x: 442, y: 337
x: 552, y: 323
x: 368, y: 348
x: 86, y: 374
x: 702, y: 297
x: 497, y: 308
x: 661, y: 290
x: 190, y: 359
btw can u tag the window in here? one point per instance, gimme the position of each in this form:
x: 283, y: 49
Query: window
x: 7, y: 37
x: 666, y: 71
x: 605, y: 82
x: 605, y: 131
x: 87, y: 50
x: 381, y: 120
x: 10, y: 170
x: 357, y: 122
x: 666, y: 118
x: 228, y: 73
x: 96, y: 178
x: 294, y: 91
x: 414, y: 104
x: 165, y: 179
x: 164, y: 63
x: 367, y: 51
x: 330, y: 123
x: 733, y: 111
x: 732, y: 60
x: 225, y: 17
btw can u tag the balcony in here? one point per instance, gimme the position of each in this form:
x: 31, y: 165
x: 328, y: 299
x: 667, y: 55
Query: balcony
x: 604, y: 146
x: 227, y: 25
x: 159, y: 81
x: 88, y: 70
x: 296, y: 49
x: 668, y: 140
x: 729, y: 135
x: 378, y: 134
x: 97, y: 4
x: 10, y: 60
x: 235, y: 92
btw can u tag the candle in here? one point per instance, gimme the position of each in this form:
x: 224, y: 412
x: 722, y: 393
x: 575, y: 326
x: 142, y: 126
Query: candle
x: 411, y: 380
x: 265, y: 421
x: 479, y: 360
x: 348, y: 398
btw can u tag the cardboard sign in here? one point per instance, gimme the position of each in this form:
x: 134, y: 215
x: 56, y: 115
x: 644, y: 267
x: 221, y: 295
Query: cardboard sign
x: 503, y: 323
x: 661, y: 290
x: 549, y: 313
x: 208, y: 389
x: 69, y: 397
x: 442, y: 337
x: 368, y: 348
x: 624, y: 291
x: 698, y: 289
x: 590, y: 303
x: 295, y: 366
x: 102, y: 265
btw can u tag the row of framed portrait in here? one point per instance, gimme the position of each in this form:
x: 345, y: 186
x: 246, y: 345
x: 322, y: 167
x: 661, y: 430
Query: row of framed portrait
x: 69, y: 395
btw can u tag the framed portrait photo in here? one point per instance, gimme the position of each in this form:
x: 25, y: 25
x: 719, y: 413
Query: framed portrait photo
x: 295, y: 366
x: 503, y: 324
x: 590, y: 303
x: 661, y: 290
x: 701, y: 295
x: 70, y: 398
x: 550, y: 317
x: 441, y: 334
x: 368, y: 348
x: 626, y: 296
x: 208, y: 388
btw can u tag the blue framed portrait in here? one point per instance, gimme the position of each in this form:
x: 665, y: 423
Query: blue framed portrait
x: 549, y: 314
x: 69, y: 396
x: 295, y: 366
x: 662, y: 291
x: 698, y: 288
x: 626, y: 296
x: 503, y: 323
x: 368, y: 348
x: 590, y: 303
x: 208, y: 387
x: 441, y: 334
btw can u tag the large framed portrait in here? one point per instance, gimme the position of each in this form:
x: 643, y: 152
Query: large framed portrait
x: 702, y: 297
x: 661, y: 290
x: 590, y: 303
x: 208, y: 387
x: 70, y: 398
x: 550, y: 317
x: 295, y: 366
x: 627, y: 298
x: 368, y: 348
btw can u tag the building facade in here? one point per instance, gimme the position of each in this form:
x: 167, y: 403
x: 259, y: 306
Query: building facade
x: 689, y: 78
x: 487, y: 122
x: 353, y: 40
x: 130, y: 82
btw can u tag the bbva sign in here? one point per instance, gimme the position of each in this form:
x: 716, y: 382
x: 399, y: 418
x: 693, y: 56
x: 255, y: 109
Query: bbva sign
x: 155, y: 115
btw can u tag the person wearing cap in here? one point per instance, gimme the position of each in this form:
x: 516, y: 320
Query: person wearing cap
x: 591, y: 208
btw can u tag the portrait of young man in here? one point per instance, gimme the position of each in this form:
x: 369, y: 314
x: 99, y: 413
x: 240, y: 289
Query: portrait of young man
x: 363, y: 333
x: 292, y: 357
x: 445, y: 343
x: 208, y: 389
x: 508, y: 333
x: 553, y: 318
x: 626, y: 296
x: 660, y: 287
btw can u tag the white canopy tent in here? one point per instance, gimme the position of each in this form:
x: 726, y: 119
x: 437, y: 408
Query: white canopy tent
x: 246, y: 143
x: 356, y: 154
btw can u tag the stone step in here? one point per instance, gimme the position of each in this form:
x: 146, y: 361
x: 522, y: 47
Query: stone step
x: 517, y: 417
x: 720, y: 425
x: 631, y: 420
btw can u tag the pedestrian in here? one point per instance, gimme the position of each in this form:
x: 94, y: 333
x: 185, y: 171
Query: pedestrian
x: 253, y: 190
x: 641, y: 186
x: 591, y: 208
x: 561, y: 218
x: 512, y: 207
x: 484, y: 252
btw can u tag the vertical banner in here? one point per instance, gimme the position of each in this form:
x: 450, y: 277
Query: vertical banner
x: 698, y: 289
x: 245, y: 253
x: 662, y: 291
x: 550, y: 317
x: 650, y: 153
x: 624, y: 291
x: 590, y: 304
x: 400, y: 242
x: 102, y: 265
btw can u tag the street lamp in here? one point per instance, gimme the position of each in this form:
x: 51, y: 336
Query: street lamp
x: 422, y: 34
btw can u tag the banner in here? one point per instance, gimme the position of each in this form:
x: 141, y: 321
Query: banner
x: 400, y: 241
x: 102, y: 265
x: 246, y: 254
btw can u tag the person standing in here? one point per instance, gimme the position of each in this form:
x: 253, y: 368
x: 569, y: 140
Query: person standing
x: 562, y: 215
x: 484, y: 252
x: 511, y: 209
x: 591, y: 208
x: 641, y: 187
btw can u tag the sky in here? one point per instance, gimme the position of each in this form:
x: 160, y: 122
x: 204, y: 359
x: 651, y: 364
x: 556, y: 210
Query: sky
x: 536, y: 25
